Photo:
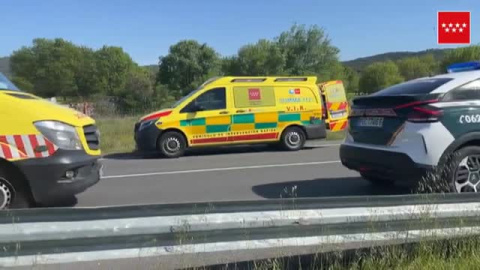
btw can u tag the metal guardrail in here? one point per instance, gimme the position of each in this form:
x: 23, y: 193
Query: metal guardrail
x: 180, y: 235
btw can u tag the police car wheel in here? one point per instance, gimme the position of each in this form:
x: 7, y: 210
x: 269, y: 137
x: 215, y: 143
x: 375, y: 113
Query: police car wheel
x: 293, y: 139
x: 466, y: 173
x: 11, y: 195
x: 377, y: 181
x: 172, y: 144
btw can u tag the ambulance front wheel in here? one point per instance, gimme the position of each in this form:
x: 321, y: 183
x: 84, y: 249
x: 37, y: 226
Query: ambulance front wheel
x: 172, y: 144
x: 293, y: 139
x: 12, y: 191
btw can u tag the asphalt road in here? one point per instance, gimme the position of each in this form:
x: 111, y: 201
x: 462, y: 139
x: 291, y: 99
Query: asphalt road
x: 241, y: 173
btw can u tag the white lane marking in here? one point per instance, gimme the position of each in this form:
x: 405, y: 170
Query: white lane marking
x: 223, y: 169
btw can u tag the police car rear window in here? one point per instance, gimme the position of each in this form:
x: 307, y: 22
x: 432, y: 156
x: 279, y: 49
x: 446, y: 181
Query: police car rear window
x: 415, y: 87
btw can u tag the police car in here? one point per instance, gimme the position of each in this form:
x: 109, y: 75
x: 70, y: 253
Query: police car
x: 401, y: 133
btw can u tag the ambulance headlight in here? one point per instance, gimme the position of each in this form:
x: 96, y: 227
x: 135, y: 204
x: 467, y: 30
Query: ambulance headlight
x: 62, y: 135
x: 146, y: 124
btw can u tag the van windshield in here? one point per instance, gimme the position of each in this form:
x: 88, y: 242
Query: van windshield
x: 180, y: 101
x: 6, y: 84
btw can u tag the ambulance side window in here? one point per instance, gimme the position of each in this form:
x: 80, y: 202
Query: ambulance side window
x: 469, y: 91
x: 214, y: 99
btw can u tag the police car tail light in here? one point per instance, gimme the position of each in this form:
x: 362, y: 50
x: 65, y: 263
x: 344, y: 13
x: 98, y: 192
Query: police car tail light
x: 424, y: 115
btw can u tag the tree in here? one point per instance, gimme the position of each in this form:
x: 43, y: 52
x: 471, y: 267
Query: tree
x: 417, y: 67
x: 138, y: 91
x: 229, y: 66
x: 307, y: 51
x: 86, y: 74
x: 113, y: 68
x: 466, y: 54
x: 378, y: 76
x: 187, y: 65
x: 22, y: 83
x: 350, y: 79
x: 261, y: 59
x: 48, y: 65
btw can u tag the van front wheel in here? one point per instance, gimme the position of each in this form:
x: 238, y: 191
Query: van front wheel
x: 293, y: 139
x: 172, y: 144
x: 12, y: 193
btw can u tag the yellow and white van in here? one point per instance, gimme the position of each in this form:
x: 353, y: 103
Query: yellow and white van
x: 47, y: 152
x: 237, y: 110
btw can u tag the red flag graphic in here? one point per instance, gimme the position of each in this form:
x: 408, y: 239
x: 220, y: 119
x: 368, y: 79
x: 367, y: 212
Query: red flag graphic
x: 453, y: 27
x: 254, y: 94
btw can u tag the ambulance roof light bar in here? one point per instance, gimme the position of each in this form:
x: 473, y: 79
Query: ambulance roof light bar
x: 249, y: 80
x: 291, y: 79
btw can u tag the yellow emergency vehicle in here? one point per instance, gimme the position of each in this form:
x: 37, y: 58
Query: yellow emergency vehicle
x: 48, y: 152
x: 336, y: 104
x: 238, y: 110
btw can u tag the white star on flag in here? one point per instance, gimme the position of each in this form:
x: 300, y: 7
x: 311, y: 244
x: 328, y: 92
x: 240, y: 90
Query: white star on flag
x: 457, y: 25
x: 450, y: 25
x: 447, y: 30
x: 464, y: 25
x: 444, y: 25
x: 454, y: 30
x: 461, y: 30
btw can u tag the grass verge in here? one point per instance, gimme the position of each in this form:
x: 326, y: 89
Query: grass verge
x: 432, y: 255
x: 117, y: 134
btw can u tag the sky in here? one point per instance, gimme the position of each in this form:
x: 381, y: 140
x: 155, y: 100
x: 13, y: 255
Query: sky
x: 147, y: 28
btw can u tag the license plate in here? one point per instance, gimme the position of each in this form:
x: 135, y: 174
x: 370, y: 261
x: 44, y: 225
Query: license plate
x: 371, y: 122
x: 338, y: 114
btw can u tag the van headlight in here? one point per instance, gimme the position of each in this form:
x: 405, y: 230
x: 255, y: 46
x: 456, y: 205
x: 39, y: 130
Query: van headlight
x: 146, y: 124
x: 62, y: 135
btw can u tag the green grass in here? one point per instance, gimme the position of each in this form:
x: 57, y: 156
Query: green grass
x: 117, y: 134
x: 435, y: 255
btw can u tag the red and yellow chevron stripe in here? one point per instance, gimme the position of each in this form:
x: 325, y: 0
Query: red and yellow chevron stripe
x: 338, y: 125
x: 25, y: 146
x: 337, y: 106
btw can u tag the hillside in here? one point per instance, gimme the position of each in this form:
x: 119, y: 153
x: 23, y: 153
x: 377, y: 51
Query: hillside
x: 5, y: 65
x: 360, y: 63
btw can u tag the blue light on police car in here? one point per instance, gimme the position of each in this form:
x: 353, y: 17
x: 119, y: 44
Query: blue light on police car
x: 468, y: 66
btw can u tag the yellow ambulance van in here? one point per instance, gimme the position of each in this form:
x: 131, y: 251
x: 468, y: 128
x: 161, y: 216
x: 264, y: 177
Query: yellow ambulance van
x: 237, y: 110
x: 336, y: 104
x: 47, y: 152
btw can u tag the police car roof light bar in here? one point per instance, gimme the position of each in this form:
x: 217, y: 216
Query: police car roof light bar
x: 467, y: 66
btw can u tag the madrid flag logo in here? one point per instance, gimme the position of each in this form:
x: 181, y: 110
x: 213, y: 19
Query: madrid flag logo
x: 453, y: 27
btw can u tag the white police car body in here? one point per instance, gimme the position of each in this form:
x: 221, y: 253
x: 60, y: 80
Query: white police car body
x: 401, y: 133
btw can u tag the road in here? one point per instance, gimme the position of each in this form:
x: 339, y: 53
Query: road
x: 241, y: 173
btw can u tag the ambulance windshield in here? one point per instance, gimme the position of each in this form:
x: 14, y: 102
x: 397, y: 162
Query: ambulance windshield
x: 6, y: 84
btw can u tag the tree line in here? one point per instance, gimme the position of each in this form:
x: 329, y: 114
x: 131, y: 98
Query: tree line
x: 62, y: 69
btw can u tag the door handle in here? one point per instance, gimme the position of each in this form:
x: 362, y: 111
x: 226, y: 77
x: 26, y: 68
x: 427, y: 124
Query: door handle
x: 224, y: 112
x: 240, y: 111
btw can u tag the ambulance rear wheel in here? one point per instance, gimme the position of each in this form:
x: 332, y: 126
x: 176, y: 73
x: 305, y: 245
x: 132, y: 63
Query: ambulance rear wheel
x: 12, y: 192
x: 172, y: 144
x: 293, y: 139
